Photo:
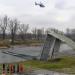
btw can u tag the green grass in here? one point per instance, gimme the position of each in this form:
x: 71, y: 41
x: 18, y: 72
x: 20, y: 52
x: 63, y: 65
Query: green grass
x: 65, y: 64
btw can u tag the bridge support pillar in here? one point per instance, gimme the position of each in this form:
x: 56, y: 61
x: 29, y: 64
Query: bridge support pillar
x: 55, y: 50
x: 51, y: 46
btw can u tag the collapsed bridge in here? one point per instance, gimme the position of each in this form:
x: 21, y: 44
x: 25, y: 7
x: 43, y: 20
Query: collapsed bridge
x: 52, y: 45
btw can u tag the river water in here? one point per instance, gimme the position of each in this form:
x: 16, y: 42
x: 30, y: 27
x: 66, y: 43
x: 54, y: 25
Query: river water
x: 19, y: 53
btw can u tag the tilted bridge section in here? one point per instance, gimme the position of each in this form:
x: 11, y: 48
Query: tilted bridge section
x: 52, y: 45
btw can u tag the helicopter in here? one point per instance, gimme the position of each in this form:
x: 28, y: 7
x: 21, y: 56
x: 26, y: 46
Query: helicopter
x: 40, y: 4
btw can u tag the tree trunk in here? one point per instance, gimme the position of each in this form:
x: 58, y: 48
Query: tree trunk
x: 12, y: 37
x: 3, y: 35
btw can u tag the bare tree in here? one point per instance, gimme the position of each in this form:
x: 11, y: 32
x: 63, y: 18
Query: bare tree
x: 13, y: 27
x: 3, y: 25
x: 23, y: 30
x: 34, y: 32
x: 40, y: 34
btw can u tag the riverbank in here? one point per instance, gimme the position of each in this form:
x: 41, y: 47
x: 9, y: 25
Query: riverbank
x: 64, y: 65
x: 7, y: 44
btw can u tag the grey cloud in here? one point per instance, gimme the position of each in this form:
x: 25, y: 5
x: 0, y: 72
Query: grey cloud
x: 60, y: 4
x: 27, y: 12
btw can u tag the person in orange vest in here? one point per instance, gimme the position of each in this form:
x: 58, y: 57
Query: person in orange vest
x: 21, y: 68
x: 3, y: 67
x: 11, y: 68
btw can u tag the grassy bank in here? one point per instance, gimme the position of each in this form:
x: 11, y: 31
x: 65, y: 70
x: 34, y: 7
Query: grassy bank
x: 28, y: 42
x: 65, y: 64
x: 4, y: 43
x: 7, y: 43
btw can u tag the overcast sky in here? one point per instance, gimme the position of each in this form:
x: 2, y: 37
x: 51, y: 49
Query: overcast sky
x: 58, y: 14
